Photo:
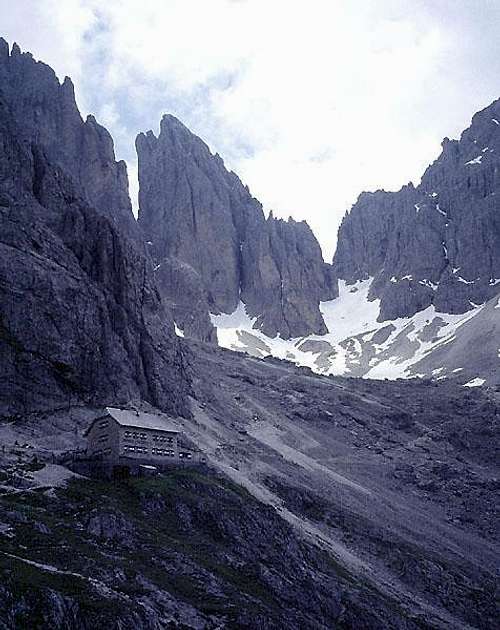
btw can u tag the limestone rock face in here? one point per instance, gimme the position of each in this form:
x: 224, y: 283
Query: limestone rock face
x: 47, y: 115
x: 438, y: 243
x: 285, y: 278
x: 81, y: 319
x: 192, y: 209
x: 182, y: 288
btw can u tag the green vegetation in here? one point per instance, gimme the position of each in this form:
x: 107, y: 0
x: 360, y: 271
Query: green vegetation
x: 54, y: 530
x: 28, y: 581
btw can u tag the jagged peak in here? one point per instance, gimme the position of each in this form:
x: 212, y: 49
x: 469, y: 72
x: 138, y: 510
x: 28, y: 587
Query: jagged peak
x: 175, y: 132
x: 145, y: 136
x: 25, y: 60
x: 290, y: 222
x: 68, y: 84
x: 170, y: 126
x: 4, y: 48
x: 493, y: 109
x: 448, y: 146
x: 171, y: 120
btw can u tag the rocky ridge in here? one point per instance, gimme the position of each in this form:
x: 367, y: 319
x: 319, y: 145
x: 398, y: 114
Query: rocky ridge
x: 47, y: 116
x: 437, y: 243
x: 81, y: 318
x: 192, y: 209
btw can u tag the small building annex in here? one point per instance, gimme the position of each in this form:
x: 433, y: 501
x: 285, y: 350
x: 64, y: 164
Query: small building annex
x: 126, y: 434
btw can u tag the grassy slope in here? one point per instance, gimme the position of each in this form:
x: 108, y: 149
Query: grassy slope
x: 190, y: 538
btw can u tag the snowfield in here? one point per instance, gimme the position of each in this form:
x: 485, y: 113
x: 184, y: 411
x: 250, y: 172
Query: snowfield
x: 356, y: 344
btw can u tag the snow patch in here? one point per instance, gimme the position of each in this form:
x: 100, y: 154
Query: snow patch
x: 476, y: 160
x: 475, y: 382
x: 178, y: 331
x: 408, y: 277
x: 429, y: 284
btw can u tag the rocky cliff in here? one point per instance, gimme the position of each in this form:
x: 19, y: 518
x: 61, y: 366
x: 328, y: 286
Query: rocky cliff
x: 81, y: 319
x: 47, y: 115
x: 437, y: 243
x: 192, y: 209
x: 284, y: 278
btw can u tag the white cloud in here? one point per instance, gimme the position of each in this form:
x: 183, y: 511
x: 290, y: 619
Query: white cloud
x: 310, y: 103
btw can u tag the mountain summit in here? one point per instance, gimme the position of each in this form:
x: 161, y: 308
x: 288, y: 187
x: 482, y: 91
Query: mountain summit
x: 438, y: 243
x: 198, y: 215
x: 81, y: 319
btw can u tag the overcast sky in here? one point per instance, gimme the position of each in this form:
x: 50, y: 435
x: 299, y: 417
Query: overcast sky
x: 309, y: 102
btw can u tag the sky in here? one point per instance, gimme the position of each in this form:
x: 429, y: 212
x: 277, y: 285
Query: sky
x: 310, y: 103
